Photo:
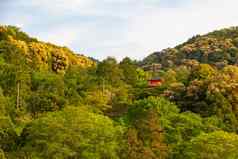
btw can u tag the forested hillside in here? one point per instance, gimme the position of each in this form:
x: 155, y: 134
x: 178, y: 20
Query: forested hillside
x: 218, y: 48
x: 38, y: 55
x: 55, y: 104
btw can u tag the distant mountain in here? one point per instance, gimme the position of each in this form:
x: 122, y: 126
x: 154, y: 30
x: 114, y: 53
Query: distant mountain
x: 218, y: 48
x: 40, y: 55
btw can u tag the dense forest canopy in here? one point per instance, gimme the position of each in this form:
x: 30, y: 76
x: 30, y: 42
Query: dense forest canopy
x: 56, y: 104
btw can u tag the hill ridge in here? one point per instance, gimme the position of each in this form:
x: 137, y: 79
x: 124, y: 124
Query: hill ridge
x: 42, y: 55
x: 218, y: 48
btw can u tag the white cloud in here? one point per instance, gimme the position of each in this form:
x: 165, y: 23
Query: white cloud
x: 121, y: 27
x: 167, y: 27
x: 59, y: 36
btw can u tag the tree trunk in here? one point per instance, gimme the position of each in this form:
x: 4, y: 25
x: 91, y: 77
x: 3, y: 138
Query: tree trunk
x: 18, y: 95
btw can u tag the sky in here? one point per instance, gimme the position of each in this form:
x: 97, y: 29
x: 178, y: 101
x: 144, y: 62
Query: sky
x: 118, y: 28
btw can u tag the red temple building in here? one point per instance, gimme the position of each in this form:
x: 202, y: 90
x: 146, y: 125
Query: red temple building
x: 154, y: 82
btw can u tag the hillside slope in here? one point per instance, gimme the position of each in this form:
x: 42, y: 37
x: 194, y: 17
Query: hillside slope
x: 219, y: 48
x: 110, y: 111
x: 39, y: 55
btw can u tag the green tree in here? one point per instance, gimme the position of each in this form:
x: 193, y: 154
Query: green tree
x: 78, y: 84
x: 15, y: 52
x: 8, y: 136
x: 212, y: 146
x: 148, y: 135
x: 129, y: 71
x: 48, y: 93
x: 109, y: 72
x: 72, y: 133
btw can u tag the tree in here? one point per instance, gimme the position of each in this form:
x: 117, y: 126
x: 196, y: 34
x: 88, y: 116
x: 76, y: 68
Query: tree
x: 109, y: 72
x: 204, y: 71
x: 121, y: 100
x: 212, y: 146
x: 8, y: 135
x: 98, y: 100
x: 78, y: 83
x: 72, y: 133
x: 15, y: 52
x: 146, y: 131
x: 47, y: 93
x: 129, y: 71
